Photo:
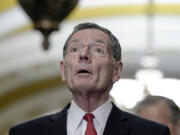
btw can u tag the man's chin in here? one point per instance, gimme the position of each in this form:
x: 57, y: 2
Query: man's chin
x: 84, y: 80
x: 84, y: 86
x: 84, y: 83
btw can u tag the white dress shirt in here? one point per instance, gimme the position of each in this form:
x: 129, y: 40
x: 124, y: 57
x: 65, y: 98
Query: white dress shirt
x: 76, y: 125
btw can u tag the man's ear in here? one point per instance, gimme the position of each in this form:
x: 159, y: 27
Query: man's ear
x: 117, y: 71
x: 63, y: 78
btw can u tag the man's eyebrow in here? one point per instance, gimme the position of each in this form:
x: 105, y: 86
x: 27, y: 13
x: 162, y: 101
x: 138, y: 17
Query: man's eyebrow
x: 73, y: 41
x: 100, y: 41
x: 96, y: 40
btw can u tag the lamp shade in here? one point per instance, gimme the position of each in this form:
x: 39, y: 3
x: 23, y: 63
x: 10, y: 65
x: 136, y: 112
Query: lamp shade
x: 47, y: 14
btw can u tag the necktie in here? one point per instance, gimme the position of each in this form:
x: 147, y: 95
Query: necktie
x: 90, y: 130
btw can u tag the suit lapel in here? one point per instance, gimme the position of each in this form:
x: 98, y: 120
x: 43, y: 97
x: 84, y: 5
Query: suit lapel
x: 116, y: 123
x: 57, y: 124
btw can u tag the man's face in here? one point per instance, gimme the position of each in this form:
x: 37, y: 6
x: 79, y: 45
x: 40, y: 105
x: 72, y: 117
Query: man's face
x: 89, y: 66
x: 158, y: 112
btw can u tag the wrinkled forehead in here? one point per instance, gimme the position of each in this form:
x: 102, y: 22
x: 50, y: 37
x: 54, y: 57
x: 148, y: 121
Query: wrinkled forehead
x: 94, y: 35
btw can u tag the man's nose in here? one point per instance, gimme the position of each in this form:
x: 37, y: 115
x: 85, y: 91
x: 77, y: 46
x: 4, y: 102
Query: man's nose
x: 85, y: 54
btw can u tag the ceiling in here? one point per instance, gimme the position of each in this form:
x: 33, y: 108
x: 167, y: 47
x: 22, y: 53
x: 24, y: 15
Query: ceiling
x: 27, y: 72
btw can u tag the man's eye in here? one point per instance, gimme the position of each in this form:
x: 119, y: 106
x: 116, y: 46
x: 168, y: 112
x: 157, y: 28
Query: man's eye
x: 99, y: 50
x: 74, y: 50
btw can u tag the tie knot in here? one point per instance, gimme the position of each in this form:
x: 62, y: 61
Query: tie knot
x: 88, y: 117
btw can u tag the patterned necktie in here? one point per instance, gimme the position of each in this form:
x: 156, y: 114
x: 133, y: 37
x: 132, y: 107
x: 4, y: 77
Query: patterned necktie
x: 90, y: 130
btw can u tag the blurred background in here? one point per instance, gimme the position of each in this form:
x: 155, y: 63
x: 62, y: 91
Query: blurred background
x: 31, y: 49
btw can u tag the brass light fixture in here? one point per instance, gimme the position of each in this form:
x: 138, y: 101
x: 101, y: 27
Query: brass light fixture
x: 47, y: 14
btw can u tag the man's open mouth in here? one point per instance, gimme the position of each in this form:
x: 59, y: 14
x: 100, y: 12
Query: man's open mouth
x: 84, y: 71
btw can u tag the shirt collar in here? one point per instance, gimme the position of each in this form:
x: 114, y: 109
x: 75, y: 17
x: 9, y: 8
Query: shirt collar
x: 76, y: 114
x: 104, y: 109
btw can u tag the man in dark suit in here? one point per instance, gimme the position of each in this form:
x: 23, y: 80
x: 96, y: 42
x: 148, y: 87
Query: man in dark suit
x: 91, y: 65
x: 160, y: 109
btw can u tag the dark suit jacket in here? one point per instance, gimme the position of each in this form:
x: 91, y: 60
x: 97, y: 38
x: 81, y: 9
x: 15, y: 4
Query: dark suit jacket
x: 118, y: 123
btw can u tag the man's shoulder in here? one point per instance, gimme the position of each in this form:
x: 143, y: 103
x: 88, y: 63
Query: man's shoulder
x: 137, y: 124
x: 133, y: 119
x: 38, y: 124
x: 33, y: 124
